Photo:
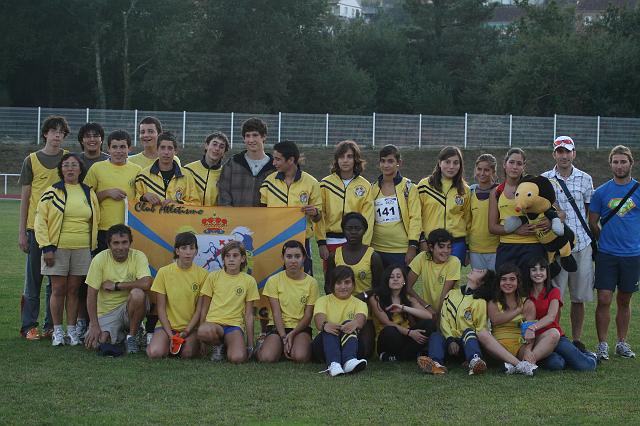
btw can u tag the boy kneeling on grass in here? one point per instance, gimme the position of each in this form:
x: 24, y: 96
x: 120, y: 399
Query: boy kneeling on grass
x: 461, y: 317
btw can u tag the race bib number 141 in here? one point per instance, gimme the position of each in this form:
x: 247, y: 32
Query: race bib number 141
x: 387, y: 210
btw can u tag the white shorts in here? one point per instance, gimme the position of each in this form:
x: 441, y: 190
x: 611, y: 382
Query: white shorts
x: 580, y: 282
x: 483, y: 260
x: 116, y: 322
x: 68, y: 262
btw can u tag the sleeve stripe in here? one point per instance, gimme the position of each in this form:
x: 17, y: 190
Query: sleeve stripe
x: 151, y: 184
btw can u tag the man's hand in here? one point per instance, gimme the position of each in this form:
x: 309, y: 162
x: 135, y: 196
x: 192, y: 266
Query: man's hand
x: 92, y: 338
x: 23, y: 241
x: 113, y: 193
x: 152, y: 198
x: 109, y: 286
x: 49, y: 258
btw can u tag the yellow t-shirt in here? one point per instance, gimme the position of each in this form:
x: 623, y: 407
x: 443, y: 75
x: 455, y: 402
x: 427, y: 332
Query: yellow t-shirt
x: 362, y: 270
x: 182, y: 289
x: 294, y: 296
x: 509, y: 330
x: 507, y: 208
x: 389, y: 234
x: 434, y: 275
x: 105, y: 268
x: 339, y: 310
x: 396, y: 317
x: 76, y: 222
x: 143, y: 161
x: 229, y: 294
x: 479, y: 238
x: 106, y: 175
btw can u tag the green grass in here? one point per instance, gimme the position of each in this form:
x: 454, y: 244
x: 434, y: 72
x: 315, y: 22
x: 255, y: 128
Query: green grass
x: 68, y: 385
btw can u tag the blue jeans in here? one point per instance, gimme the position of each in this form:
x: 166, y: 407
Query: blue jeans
x: 459, y: 249
x: 32, y: 287
x: 392, y: 259
x: 468, y: 343
x: 567, y: 355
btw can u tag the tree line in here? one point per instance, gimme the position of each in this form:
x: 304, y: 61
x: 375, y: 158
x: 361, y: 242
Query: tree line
x: 261, y: 56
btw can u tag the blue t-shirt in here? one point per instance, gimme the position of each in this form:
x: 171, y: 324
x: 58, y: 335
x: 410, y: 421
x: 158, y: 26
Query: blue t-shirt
x: 621, y: 235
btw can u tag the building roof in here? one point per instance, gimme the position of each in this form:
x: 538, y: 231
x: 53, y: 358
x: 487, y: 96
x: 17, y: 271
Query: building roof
x: 583, y: 6
x: 506, y: 14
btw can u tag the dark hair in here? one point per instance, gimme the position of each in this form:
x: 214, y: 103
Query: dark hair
x: 528, y: 284
x: 294, y: 244
x: 184, y: 239
x: 254, y: 124
x: 341, y: 149
x: 119, y: 229
x: 90, y: 127
x: 384, y: 292
x: 511, y: 152
x: 54, y: 122
x: 435, y: 180
x: 231, y: 245
x: 218, y: 135
x: 354, y: 215
x: 167, y: 136
x: 486, y: 290
x: 390, y: 150
x: 288, y: 149
x: 119, y: 135
x: 65, y: 157
x: 151, y: 120
x: 504, y: 269
x: 339, y: 273
x: 439, y: 235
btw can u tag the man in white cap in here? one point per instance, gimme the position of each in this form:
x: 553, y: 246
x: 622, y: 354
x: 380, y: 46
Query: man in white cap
x: 573, y: 193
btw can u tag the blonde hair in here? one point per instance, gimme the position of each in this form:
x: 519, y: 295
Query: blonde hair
x: 621, y: 150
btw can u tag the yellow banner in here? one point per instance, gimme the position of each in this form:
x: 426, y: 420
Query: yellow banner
x: 262, y: 230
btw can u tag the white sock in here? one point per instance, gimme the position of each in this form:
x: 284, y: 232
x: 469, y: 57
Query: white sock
x: 128, y: 335
x: 57, y: 328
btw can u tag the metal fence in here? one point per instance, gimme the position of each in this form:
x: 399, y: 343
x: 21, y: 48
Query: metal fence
x: 418, y: 131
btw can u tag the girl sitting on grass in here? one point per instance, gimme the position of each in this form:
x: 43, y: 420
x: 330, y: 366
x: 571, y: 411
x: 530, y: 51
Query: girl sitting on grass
x: 227, y: 306
x: 177, y: 287
x: 292, y: 294
x: 544, y: 320
x: 339, y: 317
x: 463, y: 316
x: 402, y: 324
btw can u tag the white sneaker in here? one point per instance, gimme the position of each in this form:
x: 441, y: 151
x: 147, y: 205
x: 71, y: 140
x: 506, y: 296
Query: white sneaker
x: 526, y: 368
x: 217, y: 354
x: 58, y: 338
x: 74, y: 339
x: 335, y: 369
x: 509, y: 368
x: 149, y: 337
x: 623, y: 349
x: 354, y: 365
x: 477, y: 366
x: 603, y: 351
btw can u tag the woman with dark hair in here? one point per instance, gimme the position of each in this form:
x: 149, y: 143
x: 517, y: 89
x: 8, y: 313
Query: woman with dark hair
x: 402, y: 323
x: 343, y: 191
x: 367, y: 267
x: 66, y: 228
x: 292, y: 294
x: 339, y: 316
x: 177, y: 287
x: 445, y: 202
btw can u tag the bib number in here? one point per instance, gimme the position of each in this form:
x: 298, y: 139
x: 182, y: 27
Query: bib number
x: 387, y: 210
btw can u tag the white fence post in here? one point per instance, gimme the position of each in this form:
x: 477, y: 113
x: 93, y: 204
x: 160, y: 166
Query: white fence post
x: 184, y: 126
x: 466, y: 118
x: 420, y: 132
x: 231, y: 131
x: 279, y: 124
x: 555, y: 125
x: 598, y: 135
x: 510, y: 128
x: 135, y: 128
x: 38, y: 126
x: 373, y: 134
x: 87, y: 115
x: 326, y: 131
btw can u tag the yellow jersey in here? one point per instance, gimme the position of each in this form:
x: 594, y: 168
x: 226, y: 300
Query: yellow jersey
x: 143, y: 161
x: 461, y: 311
x: 293, y: 296
x: 362, y: 270
x: 42, y: 179
x: 181, y: 188
x: 340, y: 310
x: 434, y: 275
x: 478, y: 236
x: 206, y: 180
x: 229, y: 295
x: 444, y: 209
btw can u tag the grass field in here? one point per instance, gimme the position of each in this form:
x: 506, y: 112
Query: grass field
x: 69, y: 385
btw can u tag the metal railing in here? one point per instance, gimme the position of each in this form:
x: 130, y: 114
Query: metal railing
x: 419, y: 131
x: 6, y: 180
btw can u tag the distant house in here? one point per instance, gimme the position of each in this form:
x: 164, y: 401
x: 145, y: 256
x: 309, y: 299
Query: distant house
x: 589, y: 11
x: 347, y: 9
x: 503, y: 16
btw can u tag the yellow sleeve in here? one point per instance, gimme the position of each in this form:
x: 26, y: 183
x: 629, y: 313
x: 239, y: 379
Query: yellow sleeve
x: 207, y: 287
x: 90, y: 179
x: 320, y: 306
x: 467, y: 212
x: 195, y: 197
x: 415, y: 214
x: 315, y: 199
x: 361, y: 307
x: 263, y: 194
x: 159, y: 285
x: 313, y: 292
x: 453, y: 269
x: 252, y: 289
x: 40, y: 226
x: 417, y: 263
x: 447, y: 322
x: 94, y: 275
x: 271, y: 288
x: 142, y: 265
x: 367, y: 212
x: 479, y: 313
x: 141, y: 188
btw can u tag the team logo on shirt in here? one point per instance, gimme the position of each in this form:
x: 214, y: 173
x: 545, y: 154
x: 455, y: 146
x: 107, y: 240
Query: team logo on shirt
x: 195, y: 287
x: 303, y: 299
x: 239, y: 291
x: 179, y: 195
x: 304, y: 197
x: 362, y: 275
x: 407, y: 188
x: 467, y: 314
x: 459, y: 200
x: 628, y: 206
x: 359, y: 191
x: 351, y: 315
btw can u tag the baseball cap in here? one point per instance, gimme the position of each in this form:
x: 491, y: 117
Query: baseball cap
x: 564, y: 142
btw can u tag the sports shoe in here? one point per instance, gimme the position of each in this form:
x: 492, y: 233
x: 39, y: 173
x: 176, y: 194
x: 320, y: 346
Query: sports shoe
x: 526, y: 368
x: 32, y: 334
x: 354, y: 365
x: 430, y: 366
x: 509, y: 368
x: 602, y: 351
x: 385, y: 357
x: 81, y: 329
x: 132, y: 345
x: 141, y: 337
x: 74, y: 339
x: 218, y: 353
x: 58, y: 338
x: 334, y: 369
x: 624, y: 350
x: 477, y: 366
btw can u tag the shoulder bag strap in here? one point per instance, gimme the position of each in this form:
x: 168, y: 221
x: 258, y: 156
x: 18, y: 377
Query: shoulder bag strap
x: 572, y: 201
x: 619, y: 206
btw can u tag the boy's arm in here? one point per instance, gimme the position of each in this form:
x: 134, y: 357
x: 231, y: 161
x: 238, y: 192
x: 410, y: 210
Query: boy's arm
x: 25, y: 195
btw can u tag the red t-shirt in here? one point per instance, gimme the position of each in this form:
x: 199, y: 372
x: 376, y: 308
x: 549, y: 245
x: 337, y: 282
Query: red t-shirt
x: 542, y: 307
